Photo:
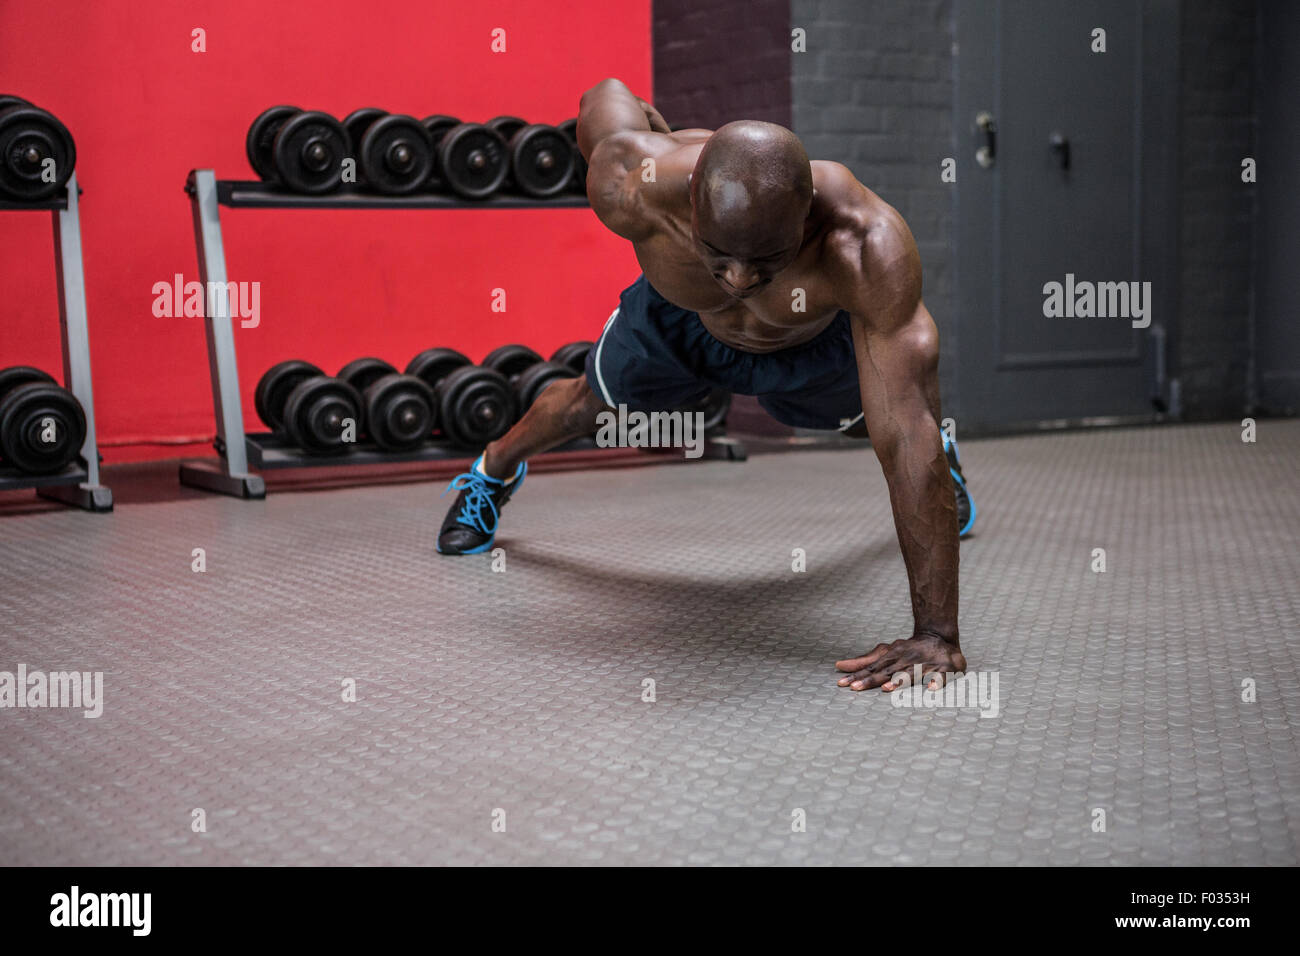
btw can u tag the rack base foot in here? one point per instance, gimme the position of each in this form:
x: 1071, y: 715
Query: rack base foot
x: 96, y: 498
x: 211, y: 476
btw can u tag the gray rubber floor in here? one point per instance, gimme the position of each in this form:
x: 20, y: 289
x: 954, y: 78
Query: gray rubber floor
x: 516, y: 696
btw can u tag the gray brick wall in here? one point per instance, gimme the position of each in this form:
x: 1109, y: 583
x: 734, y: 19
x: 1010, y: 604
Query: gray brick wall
x: 875, y: 91
x: 1217, y: 210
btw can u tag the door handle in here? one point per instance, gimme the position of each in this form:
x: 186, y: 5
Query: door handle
x: 1060, y: 144
x: 985, y: 124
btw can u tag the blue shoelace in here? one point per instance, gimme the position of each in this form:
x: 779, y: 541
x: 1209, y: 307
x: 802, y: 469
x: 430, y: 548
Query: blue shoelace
x: 479, y: 495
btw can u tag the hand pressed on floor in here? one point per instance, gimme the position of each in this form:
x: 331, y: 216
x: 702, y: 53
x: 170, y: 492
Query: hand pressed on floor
x: 878, y: 666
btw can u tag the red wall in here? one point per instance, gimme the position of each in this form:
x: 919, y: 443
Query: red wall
x: 144, y: 110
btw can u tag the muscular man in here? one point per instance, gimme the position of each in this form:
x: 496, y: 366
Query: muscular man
x: 767, y: 275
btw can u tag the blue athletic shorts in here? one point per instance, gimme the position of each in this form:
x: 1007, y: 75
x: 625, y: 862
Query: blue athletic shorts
x: 655, y: 356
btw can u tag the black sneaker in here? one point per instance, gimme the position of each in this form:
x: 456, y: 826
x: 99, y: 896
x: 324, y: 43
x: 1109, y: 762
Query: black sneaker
x: 471, y: 524
x: 965, y: 503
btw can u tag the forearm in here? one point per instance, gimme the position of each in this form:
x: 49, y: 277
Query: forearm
x: 925, y: 515
x: 610, y: 107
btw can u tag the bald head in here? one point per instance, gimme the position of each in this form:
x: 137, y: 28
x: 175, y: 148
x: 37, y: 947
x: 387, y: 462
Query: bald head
x: 750, y: 196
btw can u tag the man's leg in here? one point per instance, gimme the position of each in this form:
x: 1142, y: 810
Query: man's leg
x: 647, y: 357
x: 564, y: 411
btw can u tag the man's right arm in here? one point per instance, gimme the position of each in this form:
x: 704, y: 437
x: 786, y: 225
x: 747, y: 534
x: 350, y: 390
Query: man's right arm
x: 610, y: 107
x: 615, y: 134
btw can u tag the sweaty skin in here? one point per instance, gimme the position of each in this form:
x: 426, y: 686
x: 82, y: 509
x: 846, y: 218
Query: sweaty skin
x: 745, y: 250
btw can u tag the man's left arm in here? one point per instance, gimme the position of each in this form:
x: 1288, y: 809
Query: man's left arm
x: 897, y: 349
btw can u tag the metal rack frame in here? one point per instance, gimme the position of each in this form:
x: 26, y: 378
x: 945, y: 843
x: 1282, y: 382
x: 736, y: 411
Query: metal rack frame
x: 230, y: 474
x: 79, y: 483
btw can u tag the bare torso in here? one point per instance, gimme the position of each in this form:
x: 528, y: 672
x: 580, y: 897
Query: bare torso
x: 849, y: 229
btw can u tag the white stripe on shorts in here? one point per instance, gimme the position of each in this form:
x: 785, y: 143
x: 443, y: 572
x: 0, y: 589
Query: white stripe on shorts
x: 600, y: 376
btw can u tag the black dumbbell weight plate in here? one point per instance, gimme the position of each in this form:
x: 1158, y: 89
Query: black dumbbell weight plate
x: 261, y: 139
x: 475, y: 406
x: 273, y: 390
x: 472, y: 160
x: 358, y: 121
x: 506, y: 126
x: 8, y: 99
x: 433, y: 365
x: 574, y: 355
x: 511, y: 360
x: 363, y: 372
x: 399, y: 412
x: 541, y: 161
x: 534, y: 380
x: 437, y: 126
x: 12, y: 377
x: 309, y: 151
x: 30, y: 139
x: 439, y: 123
x: 317, y: 413
x: 578, y: 183
x: 42, y: 428
x: 396, y: 155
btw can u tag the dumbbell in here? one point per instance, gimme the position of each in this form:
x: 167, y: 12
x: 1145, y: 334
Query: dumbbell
x: 42, y: 426
x: 301, y: 149
x: 398, y: 409
x: 437, y: 126
x: 433, y: 365
x: 578, y: 184
x: 472, y: 160
x: 511, y: 360
x: 573, y: 355
x: 361, y: 374
x: 541, y: 157
x: 37, y: 153
x: 298, y: 401
x: 527, y: 372
x: 475, y: 404
x: 394, y: 152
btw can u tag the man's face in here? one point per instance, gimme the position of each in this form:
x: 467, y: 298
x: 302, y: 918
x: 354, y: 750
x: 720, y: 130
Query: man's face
x: 743, y: 265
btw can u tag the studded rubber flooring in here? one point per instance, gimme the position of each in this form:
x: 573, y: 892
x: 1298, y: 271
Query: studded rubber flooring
x: 1145, y: 713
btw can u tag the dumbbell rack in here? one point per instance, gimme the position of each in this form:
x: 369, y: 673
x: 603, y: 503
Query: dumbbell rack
x: 78, y: 484
x: 230, y: 473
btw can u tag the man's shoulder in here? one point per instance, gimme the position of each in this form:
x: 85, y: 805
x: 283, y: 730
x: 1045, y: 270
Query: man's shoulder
x: 869, y: 247
x: 635, y: 174
x: 855, y: 216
